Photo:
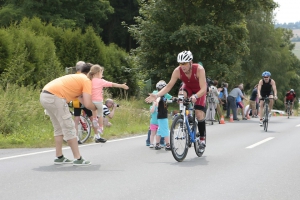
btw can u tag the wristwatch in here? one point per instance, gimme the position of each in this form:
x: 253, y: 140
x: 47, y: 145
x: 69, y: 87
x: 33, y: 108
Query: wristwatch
x: 196, y: 96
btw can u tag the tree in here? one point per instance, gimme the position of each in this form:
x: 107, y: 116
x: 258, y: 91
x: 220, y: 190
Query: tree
x: 113, y: 30
x: 63, y: 13
x: 215, y: 32
x: 270, y: 50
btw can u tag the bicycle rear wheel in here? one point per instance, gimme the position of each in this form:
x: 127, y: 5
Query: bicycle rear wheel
x: 199, y: 151
x: 84, y: 129
x: 179, y: 139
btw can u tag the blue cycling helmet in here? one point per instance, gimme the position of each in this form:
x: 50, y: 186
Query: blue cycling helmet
x: 266, y: 73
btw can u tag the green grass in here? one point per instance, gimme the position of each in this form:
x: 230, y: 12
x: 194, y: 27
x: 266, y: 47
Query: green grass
x: 23, y: 123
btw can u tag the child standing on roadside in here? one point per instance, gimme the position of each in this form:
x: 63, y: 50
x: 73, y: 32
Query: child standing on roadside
x: 153, y: 123
x: 162, y: 118
x: 96, y: 74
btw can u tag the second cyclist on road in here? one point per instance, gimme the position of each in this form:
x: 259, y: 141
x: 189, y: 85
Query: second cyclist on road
x: 266, y: 88
x: 291, y: 97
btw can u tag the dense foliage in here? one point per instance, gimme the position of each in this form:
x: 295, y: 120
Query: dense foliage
x: 215, y: 31
x: 35, y: 53
x: 235, y: 40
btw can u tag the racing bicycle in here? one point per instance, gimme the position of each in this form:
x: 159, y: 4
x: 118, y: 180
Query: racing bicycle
x: 288, y: 108
x: 183, y: 131
x: 266, y: 113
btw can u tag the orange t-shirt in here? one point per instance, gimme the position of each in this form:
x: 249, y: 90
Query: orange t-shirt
x: 70, y: 87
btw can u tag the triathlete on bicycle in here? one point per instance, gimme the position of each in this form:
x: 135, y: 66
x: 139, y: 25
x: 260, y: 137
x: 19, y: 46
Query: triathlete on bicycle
x: 194, y: 86
x: 265, y: 86
x: 291, y: 97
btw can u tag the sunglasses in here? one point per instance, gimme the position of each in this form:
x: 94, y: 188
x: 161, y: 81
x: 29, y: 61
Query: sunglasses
x: 183, y: 63
x: 266, y: 77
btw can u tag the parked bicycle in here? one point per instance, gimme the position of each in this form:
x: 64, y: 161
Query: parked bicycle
x: 84, y: 126
x: 183, y: 131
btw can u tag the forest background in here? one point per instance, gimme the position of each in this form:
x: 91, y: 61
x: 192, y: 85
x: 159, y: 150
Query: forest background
x: 136, y: 41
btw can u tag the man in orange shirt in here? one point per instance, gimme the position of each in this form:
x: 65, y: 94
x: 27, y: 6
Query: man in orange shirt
x: 54, y: 98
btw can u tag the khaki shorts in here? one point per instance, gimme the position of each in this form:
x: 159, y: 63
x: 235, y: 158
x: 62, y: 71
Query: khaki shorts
x: 252, y: 105
x: 60, y: 115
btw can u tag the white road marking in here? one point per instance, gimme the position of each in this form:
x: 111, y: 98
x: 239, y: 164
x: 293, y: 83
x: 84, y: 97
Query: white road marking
x: 259, y: 143
x: 298, y: 125
x: 81, y: 146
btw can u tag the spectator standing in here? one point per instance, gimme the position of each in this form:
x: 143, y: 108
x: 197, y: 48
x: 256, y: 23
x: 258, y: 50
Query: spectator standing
x: 54, y: 98
x: 219, y: 100
x: 162, y: 119
x: 223, y: 94
x: 240, y: 103
x: 253, y: 103
x: 231, y: 100
x: 213, y: 101
x: 169, y: 97
x: 153, y: 122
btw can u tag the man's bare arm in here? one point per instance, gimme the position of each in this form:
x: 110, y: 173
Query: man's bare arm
x: 87, y: 101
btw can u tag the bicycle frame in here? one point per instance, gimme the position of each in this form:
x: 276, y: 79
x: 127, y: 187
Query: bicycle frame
x: 183, y: 134
x: 266, y: 114
x: 288, y: 108
x: 182, y: 105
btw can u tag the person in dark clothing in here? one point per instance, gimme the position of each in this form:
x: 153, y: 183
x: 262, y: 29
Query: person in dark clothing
x: 264, y: 89
x: 252, y: 103
x: 231, y: 101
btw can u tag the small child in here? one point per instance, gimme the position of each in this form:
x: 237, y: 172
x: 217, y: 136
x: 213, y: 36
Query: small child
x: 153, y: 123
x: 162, y: 118
x: 96, y: 74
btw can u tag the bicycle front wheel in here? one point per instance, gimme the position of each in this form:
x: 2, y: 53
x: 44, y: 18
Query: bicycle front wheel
x: 266, y: 120
x: 179, y: 139
x: 84, y: 129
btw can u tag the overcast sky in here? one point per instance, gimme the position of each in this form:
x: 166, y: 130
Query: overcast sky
x: 288, y: 11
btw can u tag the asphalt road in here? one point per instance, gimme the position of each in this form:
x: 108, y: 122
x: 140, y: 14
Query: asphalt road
x: 241, y: 161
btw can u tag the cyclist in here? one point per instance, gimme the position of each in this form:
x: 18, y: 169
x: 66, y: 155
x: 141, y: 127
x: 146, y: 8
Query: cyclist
x: 194, y: 86
x: 291, y: 97
x: 264, y: 88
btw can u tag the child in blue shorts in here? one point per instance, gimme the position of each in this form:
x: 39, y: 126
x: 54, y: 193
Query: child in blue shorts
x: 162, y: 118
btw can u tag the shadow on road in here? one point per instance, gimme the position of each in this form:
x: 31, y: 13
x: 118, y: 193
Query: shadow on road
x: 55, y: 168
x: 193, y: 162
